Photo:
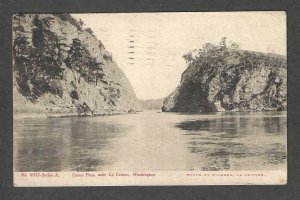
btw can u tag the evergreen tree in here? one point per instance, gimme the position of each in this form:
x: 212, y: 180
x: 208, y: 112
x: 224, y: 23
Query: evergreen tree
x: 38, y: 66
x: 83, y: 64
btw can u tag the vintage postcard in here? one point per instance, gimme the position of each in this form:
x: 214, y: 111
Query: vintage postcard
x: 112, y: 99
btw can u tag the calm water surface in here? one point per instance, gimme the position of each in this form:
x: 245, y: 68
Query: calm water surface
x: 153, y: 141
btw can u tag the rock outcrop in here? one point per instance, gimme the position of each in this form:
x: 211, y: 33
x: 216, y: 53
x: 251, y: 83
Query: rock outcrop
x: 220, y: 78
x: 61, y: 69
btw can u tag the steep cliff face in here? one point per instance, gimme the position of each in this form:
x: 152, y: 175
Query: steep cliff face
x: 220, y: 78
x: 62, y: 70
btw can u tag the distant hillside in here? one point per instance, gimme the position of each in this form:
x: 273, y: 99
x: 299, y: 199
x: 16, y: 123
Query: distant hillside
x: 151, y: 104
x: 61, y: 69
x: 222, y: 77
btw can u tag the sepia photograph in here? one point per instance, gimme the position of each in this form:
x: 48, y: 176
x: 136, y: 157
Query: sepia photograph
x: 162, y: 98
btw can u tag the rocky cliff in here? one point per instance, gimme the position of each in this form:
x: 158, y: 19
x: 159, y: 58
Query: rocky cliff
x: 61, y: 69
x: 224, y: 78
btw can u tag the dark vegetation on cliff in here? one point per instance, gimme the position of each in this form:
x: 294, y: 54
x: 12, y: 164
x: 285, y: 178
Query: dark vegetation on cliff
x: 59, y: 67
x: 38, y: 66
x: 223, y: 77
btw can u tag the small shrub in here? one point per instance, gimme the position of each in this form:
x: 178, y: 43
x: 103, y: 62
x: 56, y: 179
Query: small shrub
x: 90, y: 31
x: 74, y: 95
x: 107, y: 57
x: 56, y: 88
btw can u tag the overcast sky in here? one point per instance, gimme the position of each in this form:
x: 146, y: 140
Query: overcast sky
x: 148, y: 47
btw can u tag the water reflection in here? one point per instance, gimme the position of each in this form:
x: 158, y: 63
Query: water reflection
x: 63, y: 144
x: 152, y: 141
x: 236, y: 142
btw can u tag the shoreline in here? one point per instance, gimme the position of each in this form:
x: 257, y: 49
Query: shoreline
x: 228, y: 111
x: 17, y: 116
